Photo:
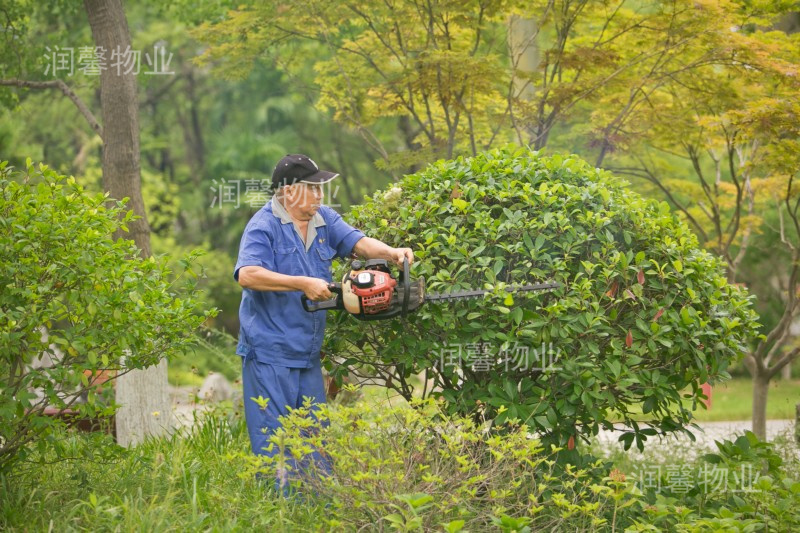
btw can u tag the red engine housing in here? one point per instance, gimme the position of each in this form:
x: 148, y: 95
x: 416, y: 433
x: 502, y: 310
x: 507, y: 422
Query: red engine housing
x: 374, y: 289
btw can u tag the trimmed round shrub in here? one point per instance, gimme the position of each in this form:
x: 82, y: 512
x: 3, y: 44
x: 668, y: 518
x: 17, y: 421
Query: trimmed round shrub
x: 642, y: 318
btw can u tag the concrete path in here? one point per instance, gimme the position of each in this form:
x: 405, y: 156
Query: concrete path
x: 681, y: 446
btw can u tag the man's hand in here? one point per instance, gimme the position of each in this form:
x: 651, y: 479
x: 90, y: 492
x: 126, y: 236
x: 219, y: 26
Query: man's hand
x: 398, y: 254
x: 317, y: 290
x: 258, y: 278
x: 375, y: 249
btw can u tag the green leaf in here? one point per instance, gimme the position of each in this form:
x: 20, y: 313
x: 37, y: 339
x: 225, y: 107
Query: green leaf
x: 498, y: 266
x: 395, y: 518
x: 616, y: 367
x: 527, y: 240
x: 685, y: 317
x: 648, y: 405
x: 627, y: 439
x: 454, y: 526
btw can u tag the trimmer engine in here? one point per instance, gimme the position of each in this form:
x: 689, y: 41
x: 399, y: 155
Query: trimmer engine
x: 374, y: 289
x: 369, y: 291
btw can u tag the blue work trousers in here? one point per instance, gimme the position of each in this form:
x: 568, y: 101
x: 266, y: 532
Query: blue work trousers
x: 286, y: 389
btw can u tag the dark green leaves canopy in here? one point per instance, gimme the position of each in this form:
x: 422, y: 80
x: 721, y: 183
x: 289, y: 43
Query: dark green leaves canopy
x: 643, y: 315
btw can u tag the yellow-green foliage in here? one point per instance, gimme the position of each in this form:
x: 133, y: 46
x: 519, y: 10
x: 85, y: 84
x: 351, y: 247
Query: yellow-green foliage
x: 406, y: 467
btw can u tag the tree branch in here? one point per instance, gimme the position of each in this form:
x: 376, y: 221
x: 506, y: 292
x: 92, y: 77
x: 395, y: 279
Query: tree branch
x: 61, y: 86
x: 782, y: 362
x: 647, y: 174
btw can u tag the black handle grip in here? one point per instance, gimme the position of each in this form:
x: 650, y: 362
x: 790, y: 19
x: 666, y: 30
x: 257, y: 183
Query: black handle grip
x: 333, y: 303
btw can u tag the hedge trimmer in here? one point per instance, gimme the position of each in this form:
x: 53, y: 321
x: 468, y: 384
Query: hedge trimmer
x: 369, y: 291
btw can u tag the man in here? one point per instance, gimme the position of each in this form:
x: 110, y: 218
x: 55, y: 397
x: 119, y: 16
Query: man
x: 286, y: 250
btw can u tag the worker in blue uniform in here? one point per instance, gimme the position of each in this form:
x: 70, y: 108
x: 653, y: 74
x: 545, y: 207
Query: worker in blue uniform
x: 286, y: 249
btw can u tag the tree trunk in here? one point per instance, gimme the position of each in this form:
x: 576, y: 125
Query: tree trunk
x: 797, y: 423
x: 120, y: 108
x: 524, y: 49
x: 141, y: 392
x: 760, y: 390
x: 524, y: 55
x: 789, y: 23
x: 786, y: 372
x: 145, y: 407
x: 198, y: 145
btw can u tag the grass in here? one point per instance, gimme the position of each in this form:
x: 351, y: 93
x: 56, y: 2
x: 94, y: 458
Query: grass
x: 734, y: 401
x: 188, y: 482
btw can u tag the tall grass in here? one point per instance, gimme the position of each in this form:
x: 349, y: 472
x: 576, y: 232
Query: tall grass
x: 187, y: 482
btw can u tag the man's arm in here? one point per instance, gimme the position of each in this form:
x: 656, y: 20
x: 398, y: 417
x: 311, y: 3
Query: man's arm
x: 375, y: 249
x: 260, y: 279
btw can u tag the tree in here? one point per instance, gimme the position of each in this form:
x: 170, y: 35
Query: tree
x: 142, y: 392
x: 121, y: 177
x: 642, y: 318
x: 458, y: 84
x: 735, y: 126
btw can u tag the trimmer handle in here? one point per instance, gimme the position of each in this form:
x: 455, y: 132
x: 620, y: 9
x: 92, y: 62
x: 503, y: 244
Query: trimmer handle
x: 333, y: 303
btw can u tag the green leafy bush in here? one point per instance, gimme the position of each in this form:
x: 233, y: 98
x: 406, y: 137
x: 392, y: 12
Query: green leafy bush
x: 77, y: 306
x: 643, y: 313
x: 742, y: 487
x: 400, y: 468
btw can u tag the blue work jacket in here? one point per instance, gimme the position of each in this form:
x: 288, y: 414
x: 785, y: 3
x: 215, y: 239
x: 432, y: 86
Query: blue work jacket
x: 274, y: 327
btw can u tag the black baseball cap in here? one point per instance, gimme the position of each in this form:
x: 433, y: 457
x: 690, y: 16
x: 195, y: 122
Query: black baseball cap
x: 298, y: 167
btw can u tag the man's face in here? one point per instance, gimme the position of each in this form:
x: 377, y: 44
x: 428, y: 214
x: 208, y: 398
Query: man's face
x: 302, y: 200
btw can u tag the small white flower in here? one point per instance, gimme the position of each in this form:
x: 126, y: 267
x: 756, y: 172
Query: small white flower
x: 392, y: 195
